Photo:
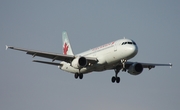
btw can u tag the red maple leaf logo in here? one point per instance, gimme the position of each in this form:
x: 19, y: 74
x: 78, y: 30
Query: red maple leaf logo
x: 65, y: 49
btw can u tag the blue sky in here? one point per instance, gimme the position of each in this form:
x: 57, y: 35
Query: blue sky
x: 154, y: 25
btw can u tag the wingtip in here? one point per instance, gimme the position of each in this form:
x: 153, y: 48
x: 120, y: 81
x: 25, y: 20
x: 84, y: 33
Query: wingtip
x: 7, y: 47
x: 170, y: 65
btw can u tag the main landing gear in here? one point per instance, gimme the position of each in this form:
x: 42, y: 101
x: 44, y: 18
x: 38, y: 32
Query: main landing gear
x: 78, y: 75
x: 117, y: 69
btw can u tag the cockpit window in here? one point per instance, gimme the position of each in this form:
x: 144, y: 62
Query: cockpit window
x: 134, y: 43
x: 130, y: 43
x: 124, y: 43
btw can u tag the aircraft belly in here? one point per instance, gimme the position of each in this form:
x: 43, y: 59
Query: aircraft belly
x: 66, y: 67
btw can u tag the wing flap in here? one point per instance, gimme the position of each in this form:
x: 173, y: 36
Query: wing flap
x: 50, y: 63
x: 52, y: 56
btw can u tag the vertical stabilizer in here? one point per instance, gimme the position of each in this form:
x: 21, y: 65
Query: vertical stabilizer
x: 67, y: 50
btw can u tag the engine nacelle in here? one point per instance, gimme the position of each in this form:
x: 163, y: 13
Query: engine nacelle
x: 135, y: 69
x: 79, y: 62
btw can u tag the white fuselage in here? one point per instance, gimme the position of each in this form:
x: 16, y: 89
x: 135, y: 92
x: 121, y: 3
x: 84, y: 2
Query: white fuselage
x: 108, y: 56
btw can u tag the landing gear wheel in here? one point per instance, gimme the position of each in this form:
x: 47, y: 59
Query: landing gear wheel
x: 113, y: 79
x: 117, y: 79
x: 80, y: 76
x: 76, y: 75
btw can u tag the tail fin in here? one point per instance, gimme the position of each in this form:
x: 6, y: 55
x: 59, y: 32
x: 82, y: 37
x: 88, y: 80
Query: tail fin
x: 67, y: 50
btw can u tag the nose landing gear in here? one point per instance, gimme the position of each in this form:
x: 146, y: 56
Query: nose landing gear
x: 116, y: 78
x: 117, y: 69
x: 123, y: 61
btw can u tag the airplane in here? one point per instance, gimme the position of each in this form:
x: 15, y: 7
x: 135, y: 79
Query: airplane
x: 110, y: 56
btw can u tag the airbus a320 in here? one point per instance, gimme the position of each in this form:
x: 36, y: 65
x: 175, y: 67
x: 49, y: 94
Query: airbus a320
x: 110, y: 56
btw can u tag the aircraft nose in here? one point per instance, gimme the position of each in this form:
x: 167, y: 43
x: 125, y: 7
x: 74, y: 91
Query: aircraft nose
x: 132, y: 50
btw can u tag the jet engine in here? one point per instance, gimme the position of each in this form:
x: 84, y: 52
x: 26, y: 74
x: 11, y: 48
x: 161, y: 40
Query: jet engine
x: 79, y: 62
x: 135, y: 69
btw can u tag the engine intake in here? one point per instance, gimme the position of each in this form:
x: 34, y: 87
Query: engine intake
x: 79, y: 62
x: 135, y: 69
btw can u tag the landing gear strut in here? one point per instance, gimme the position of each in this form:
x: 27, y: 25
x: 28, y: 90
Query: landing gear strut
x: 80, y: 75
x: 116, y: 78
x: 123, y: 61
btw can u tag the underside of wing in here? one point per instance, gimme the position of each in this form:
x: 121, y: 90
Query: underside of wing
x: 147, y: 65
x: 135, y: 68
x: 153, y: 65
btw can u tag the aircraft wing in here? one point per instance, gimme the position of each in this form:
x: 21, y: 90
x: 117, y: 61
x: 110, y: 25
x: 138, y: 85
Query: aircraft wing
x: 53, y: 56
x: 148, y: 65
